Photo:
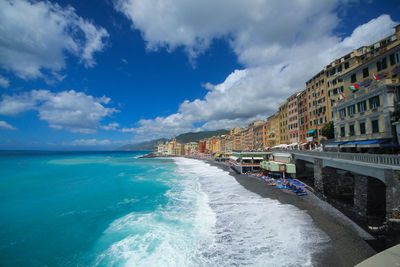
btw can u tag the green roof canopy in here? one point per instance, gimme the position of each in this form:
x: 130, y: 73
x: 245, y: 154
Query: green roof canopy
x: 310, y: 131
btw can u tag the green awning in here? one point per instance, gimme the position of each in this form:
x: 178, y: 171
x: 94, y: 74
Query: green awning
x: 311, y: 131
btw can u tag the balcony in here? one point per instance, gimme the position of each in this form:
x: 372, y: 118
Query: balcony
x: 365, y: 90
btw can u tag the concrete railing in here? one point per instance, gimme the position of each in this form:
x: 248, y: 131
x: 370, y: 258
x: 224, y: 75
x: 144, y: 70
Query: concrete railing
x: 393, y: 160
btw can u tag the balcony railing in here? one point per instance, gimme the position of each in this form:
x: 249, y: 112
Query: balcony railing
x: 392, y: 160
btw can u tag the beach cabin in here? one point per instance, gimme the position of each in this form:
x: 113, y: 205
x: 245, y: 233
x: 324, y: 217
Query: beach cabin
x: 279, y: 165
x: 243, y: 162
x: 222, y: 157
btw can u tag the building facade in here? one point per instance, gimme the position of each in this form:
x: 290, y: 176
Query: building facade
x: 283, y: 123
x: 365, y: 118
x: 293, y: 123
x: 317, y: 106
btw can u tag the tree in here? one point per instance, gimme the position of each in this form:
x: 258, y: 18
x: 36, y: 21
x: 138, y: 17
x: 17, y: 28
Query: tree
x: 328, y: 130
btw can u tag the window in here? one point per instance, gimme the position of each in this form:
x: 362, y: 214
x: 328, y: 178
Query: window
x: 362, y: 106
x: 351, y: 110
x: 365, y: 72
x: 375, y: 126
x: 381, y: 64
x: 362, y: 127
x: 374, y: 102
x: 384, y: 64
x: 339, y: 69
x: 342, y: 131
x: 342, y: 113
x: 353, y: 78
x: 346, y: 65
x: 392, y: 60
x: 351, y: 132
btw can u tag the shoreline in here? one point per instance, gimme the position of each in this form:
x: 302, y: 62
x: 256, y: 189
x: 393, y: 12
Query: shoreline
x: 348, y: 242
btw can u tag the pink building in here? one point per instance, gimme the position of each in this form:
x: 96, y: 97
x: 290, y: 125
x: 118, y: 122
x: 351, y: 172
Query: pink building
x: 293, y: 120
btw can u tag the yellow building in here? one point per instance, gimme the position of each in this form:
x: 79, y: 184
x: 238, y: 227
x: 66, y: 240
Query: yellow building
x: 273, y: 134
x: 381, y: 58
x: 317, y: 98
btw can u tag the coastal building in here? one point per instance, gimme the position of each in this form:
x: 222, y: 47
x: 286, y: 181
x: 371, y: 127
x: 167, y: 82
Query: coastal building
x: 302, y: 112
x: 213, y: 145
x: 161, y: 148
x: 380, y: 59
x: 363, y: 120
x: 293, y: 123
x: 283, y: 123
x: 245, y: 141
x: 273, y: 135
x: 223, y: 143
x: 370, y: 111
x: 229, y: 143
x: 258, y: 136
x: 279, y: 165
x: 335, y: 86
x: 208, y: 145
x: 317, y: 106
x: 237, y: 141
x: 202, y: 147
x: 191, y: 148
x: 249, y: 134
x: 266, y: 131
x: 234, y: 130
x: 243, y: 162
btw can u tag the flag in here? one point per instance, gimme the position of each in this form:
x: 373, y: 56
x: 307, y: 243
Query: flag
x: 375, y: 76
x: 352, y: 88
x: 360, y: 84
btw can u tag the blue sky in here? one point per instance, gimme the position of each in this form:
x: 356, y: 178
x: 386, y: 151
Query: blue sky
x: 79, y: 75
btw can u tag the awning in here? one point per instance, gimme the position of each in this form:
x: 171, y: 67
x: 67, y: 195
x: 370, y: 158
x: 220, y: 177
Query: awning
x: 372, y: 143
x: 233, y: 158
x: 366, y: 143
x: 258, y: 158
x: 311, y: 131
x: 247, y: 158
x: 349, y: 144
x: 335, y: 144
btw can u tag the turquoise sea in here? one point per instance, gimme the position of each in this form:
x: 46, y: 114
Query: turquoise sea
x: 113, y: 209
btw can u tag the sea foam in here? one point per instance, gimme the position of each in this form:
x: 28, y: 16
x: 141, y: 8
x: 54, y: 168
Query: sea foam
x: 251, y: 230
x: 211, y: 220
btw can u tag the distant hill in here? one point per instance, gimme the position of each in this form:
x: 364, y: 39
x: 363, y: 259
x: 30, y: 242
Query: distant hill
x: 195, y: 137
x: 143, y: 146
x: 182, y: 138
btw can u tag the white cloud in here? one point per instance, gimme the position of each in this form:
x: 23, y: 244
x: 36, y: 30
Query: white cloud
x: 280, y: 44
x: 69, y: 110
x: 4, y: 82
x: 37, y: 35
x: 5, y: 126
x: 111, y: 126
